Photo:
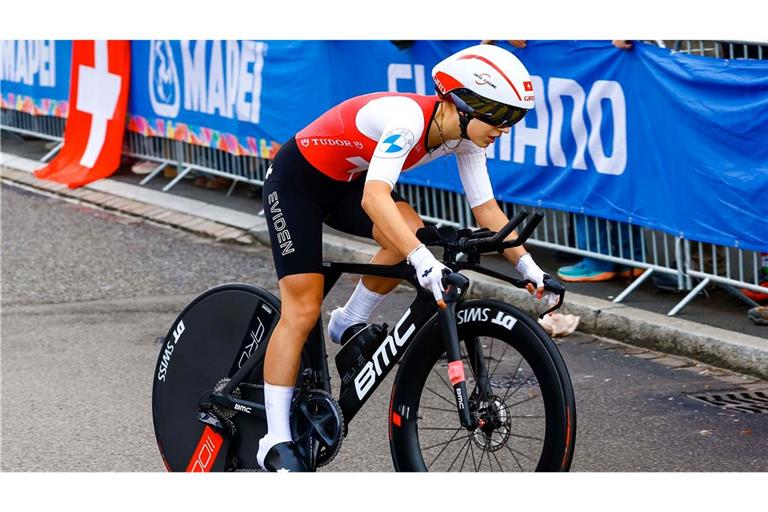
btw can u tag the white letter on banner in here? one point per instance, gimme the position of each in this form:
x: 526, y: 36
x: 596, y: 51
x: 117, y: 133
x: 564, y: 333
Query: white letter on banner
x: 52, y: 62
x: 418, y: 70
x: 258, y: 65
x: 233, y: 68
x: 536, y: 137
x: 243, y: 108
x: 8, y: 59
x: 397, y: 72
x: 557, y: 88
x: 612, y: 91
x: 46, y: 80
x: 216, y: 81
x: 21, y: 62
x: 34, y: 61
x: 194, y: 76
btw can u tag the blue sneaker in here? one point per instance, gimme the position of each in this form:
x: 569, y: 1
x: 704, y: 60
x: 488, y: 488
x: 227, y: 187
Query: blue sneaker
x: 587, y: 270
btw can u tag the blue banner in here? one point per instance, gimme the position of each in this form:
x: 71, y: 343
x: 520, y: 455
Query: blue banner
x: 245, y: 97
x: 34, y: 76
x: 665, y: 140
x: 660, y: 139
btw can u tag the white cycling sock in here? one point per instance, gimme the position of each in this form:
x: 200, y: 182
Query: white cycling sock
x: 277, y: 401
x: 357, y: 310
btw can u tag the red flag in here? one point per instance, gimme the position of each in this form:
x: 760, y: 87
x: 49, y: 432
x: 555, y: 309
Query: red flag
x: 98, y: 97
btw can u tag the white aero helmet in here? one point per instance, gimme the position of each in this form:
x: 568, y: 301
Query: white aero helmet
x: 485, y: 82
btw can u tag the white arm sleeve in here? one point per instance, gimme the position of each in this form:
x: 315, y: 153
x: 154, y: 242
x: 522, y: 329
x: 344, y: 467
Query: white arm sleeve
x: 474, y: 174
x: 403, y: 126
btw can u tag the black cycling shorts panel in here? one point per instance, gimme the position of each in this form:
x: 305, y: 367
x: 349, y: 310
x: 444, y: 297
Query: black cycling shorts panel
x: 297, y: 199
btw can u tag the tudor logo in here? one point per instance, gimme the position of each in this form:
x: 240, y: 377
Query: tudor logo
x: 305, y: 143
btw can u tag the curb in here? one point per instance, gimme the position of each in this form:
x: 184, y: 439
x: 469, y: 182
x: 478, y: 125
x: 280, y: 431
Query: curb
x: 720, y: 347
x: 221, y: 224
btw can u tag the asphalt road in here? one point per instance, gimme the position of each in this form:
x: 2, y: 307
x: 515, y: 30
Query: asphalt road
x: 85, y: 295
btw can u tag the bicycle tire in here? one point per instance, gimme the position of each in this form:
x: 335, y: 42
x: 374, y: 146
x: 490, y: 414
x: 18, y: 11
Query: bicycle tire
x: 220, y: 330
x: 411, y: 440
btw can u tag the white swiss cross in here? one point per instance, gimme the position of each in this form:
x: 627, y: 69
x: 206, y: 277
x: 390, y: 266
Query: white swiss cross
x: 360, y: 163
x: 97, y: 94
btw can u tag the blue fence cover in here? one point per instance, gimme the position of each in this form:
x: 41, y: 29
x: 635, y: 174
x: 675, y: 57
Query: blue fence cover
x: 660, y: 139
x: 34, y: 76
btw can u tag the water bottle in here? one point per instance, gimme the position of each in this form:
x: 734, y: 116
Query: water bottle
x: 359, y: 343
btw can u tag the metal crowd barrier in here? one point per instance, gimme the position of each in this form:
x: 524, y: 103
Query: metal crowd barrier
x: 658, y: 252
x: 42, y: 127
x: 191, y: 157
x: 721, y: 49
x: 695, y: 265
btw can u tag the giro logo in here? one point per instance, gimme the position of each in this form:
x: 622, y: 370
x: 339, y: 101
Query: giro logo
x: 164, y: 94
x: 484, y: 79
x: 395, y: 143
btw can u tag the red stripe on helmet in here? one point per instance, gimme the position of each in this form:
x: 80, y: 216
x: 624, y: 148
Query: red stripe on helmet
x: 446, y: 82
x: 494, y: 66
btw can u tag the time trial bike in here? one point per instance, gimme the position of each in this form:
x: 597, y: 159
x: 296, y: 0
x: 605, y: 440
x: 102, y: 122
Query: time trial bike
x: 480, y: 385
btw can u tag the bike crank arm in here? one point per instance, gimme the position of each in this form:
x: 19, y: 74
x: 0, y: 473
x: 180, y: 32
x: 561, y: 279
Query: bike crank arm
x: 456, y: 284
x: 239, y: 405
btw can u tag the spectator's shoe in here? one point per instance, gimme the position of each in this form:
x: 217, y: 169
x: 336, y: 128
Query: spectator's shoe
x: 623, y: 271
x: 587, y: 270
x: 284, y: 458
x: 757, y: 296
x: 759, y: 315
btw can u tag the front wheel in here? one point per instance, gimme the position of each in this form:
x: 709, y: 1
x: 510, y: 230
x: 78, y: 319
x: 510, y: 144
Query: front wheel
x: 520, y: 393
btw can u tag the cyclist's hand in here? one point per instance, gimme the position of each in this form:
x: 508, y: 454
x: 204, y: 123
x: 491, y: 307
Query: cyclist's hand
x: 429, y: 271
x: 531, y: 272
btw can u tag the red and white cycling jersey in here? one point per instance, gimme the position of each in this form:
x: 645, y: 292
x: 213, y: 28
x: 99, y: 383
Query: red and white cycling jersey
x: 386, y: 134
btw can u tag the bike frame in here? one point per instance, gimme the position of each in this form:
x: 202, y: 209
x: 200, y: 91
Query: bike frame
x: 354, y: 394
x: 417, y: 317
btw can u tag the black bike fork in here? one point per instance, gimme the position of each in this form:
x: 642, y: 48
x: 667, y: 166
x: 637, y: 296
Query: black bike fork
x: 447, y: 318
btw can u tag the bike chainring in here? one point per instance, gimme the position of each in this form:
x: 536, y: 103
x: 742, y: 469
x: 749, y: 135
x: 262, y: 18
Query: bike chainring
x: 317, y: 426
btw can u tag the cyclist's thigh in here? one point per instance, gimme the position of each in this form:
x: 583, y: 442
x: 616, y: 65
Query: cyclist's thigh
x: 293, y: 209
x: 347, y: 215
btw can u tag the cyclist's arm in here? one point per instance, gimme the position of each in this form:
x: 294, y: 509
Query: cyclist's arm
x: 477, y: 187
x: 402, y: 131
x: 489, y: 215
x: 378, y: 204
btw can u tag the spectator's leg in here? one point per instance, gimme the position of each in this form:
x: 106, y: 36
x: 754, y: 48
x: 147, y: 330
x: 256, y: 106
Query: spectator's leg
x: 591, y: 236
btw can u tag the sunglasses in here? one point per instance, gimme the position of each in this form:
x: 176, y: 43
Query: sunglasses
x: 490, y: 112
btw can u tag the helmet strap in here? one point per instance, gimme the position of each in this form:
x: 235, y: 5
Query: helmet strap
x: 464, y: 120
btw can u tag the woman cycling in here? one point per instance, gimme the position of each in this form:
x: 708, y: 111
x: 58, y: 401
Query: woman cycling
x: 342, y: 169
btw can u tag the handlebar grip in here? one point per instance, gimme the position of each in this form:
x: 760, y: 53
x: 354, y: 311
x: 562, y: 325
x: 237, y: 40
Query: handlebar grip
x: 455, y: 284
x: 553, y: 285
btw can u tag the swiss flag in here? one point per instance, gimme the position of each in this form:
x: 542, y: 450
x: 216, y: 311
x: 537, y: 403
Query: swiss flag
x: 98, y: 97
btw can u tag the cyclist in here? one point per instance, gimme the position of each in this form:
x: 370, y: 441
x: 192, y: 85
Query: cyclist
x: 342, y: 168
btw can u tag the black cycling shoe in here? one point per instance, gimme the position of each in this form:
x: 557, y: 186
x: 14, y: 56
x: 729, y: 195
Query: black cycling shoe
x: 283, y: 458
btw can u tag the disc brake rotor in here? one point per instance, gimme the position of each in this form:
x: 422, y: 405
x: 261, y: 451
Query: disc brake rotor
x: 495, y: 426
